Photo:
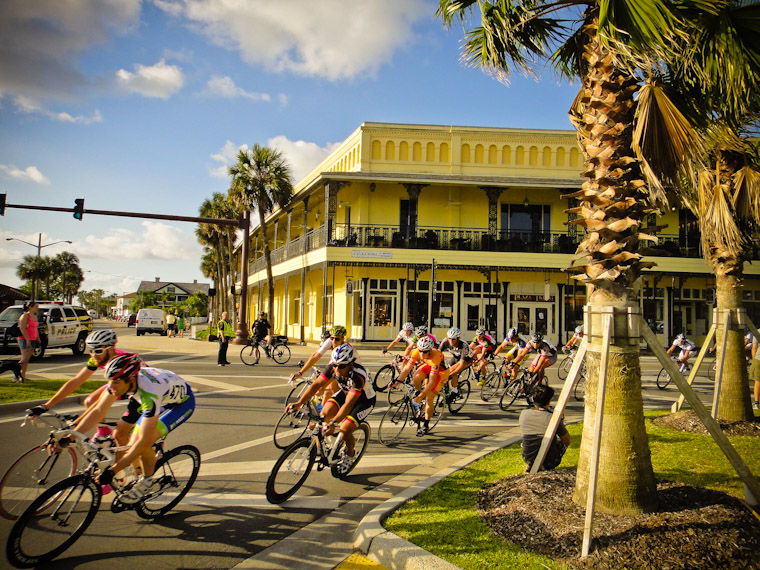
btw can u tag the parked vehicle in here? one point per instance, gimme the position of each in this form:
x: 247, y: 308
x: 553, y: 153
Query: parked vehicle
x: 60, y: 326
x: 150, y: 321
x: 93, y: 313
x: 131, y: 320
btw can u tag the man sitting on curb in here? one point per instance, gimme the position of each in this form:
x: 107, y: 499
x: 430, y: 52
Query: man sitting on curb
x: 533, y: 424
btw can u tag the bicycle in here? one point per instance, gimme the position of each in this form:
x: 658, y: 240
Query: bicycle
x: 663, y: 377
x: 564, y: 367
x: 292, y: 468
x: 520, y: 387
x: 496, y: 380
x: 405, y: 412
x: 388, y: 373
x: 279, y: 351
x: 38, y: 537
x: 36, y: 470
x: 292, y: 425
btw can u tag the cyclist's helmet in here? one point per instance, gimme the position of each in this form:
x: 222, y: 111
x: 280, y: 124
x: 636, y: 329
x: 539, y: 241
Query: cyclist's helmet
x: 579, y: 329
x: 425, y: 344
x: 421, y: 331
x: 338, y: 330
x: 512, y: 333
x: 453, y: 332
x: 325, y: 334
x: 344, y: 354
x: 681, y: 336
x: 123, y: 366
x: 480, y: 331
x: 101, y: 339
x: 262, y: 314
x: 408, y: 327
x: 537, y: 338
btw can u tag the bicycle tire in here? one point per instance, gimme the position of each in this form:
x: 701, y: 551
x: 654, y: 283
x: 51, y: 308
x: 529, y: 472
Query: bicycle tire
x: 439, y: 408
x: 290, y: 471
x: 579, y: 392
x: 384, y: 377
x: 564, y: 367
x: 398, y: 393
x: 663, y: 379
x: 30, y: 475
x: 511, y: 393
x: 361, y: 434
x: 394, y: 420
x: 249, y: 354
x: 712, y: 370
x: 280, y: 353
x: 491, y: 386
x: 466, y: 374
x: 460, y: 399
x: 488, y: 369
x: 291, y: 427
x: 38, y: 537
x: 175, y: 481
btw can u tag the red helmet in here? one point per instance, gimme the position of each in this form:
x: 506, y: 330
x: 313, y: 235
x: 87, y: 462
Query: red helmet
x: 123, y: 366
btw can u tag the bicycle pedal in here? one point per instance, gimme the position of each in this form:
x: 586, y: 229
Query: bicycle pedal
x: 118, y: 507
x: 321, y: 466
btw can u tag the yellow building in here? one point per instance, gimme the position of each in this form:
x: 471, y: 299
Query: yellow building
x: 479, y: 213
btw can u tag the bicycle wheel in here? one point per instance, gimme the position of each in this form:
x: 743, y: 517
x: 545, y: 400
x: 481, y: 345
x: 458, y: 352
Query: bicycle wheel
x: 491, y: 386
x: 438, y: 409
x: 291, y: 427
x: 712, y: 370
x: 458, y: 400
x: 291, y: 470
x: 384, y: 377
x: 249, y: 354
x: 280, y: 353
x: 564, y: 367
x: 579, y: 392
x: 342, y: 468
x: 466, y: 374
x: 398, y: 393
x: 663, y: 379
x: 38, y: 537
x: 511, y: 393
x: 393, y: 423
x: 30, y: 475
x: 488, y: 369
x: 175, y: 471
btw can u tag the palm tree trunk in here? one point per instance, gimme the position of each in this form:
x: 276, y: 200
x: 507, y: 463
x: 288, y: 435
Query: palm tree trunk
x: 268, y: 261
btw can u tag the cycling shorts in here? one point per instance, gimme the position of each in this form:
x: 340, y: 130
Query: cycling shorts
x: 551, y: 358
x: 455, y: 360
x: 362, y: 408
x: 424, y: 369
x: 440, y: 380
x: 512, y: 353
x: 174, y: 416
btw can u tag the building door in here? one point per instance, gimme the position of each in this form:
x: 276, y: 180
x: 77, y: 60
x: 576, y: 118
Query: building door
x: 382, y: 317
x: 534, y: 318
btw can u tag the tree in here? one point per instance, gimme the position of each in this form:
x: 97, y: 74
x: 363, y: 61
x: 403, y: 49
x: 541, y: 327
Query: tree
x: 68, y: 276
x: 261, y: 179
x: 32, y: 269
x: 613, y: 47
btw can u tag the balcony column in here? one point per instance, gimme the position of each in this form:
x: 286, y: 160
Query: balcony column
x: 401, y: 297
x: 493, y: 194
x: 276, y: 231
x: 414, y: 193
x: 561, y: 313
x: 331, y: 207
x: 365, y: 307
x: 288, y: 229
x: 305, y: 222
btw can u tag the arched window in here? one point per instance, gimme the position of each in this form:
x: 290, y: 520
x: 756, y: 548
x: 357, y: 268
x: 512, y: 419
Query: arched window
x: 403, y: 151
x: 444, y: 152
x: 533, y: 156
x: 506, y: 154
x: 492, y: 152
x: 547, y: 160
x: 574, y: 157
x: 561, y: 156
x: 375, y: 150
x: 519, y: 156
x: 430, y: 153
x: 465, y: 153
x: 417, y: 152
x: 479, y: 152
x: 390, y: 151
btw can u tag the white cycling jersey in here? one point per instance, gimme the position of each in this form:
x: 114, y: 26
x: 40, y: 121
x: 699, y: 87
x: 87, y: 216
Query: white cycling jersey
x: 158, y: 390
x: 327, y: 346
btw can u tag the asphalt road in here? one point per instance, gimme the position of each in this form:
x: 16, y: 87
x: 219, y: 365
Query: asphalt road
x: 226, y: 518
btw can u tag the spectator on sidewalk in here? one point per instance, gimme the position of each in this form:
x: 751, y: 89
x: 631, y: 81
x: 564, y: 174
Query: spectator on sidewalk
x: 225, y: 332
x: 181, y: 326
x: 533, y: 424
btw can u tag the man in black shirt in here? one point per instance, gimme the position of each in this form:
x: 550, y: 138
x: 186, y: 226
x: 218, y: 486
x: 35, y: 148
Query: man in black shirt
x: 260, y: 331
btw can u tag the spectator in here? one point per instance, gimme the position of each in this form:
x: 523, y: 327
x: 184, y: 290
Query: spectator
x: 533, y: 424
x: 30, y: 338
x: 180, y: 326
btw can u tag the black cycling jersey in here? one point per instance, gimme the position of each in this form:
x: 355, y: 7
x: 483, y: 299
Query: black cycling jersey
x: 461, y: 350
x: 356, y: 379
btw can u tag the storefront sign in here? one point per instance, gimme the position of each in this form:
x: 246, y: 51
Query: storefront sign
x: 368, y: 253
x: 531, y: 298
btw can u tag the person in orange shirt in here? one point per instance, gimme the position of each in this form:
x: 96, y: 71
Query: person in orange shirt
x: 426, y: 354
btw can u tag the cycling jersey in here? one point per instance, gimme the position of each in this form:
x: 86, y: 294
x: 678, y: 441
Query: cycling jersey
x: 684, y: 344
x: 406, y: 336
x: 159, y: 389
x: 486, y: 342
x: 328, y: 346
x: 356, y: 381
x: 545, y: 349
x: 461, y: 350
x: 435, y: 360
x: 517, y: 345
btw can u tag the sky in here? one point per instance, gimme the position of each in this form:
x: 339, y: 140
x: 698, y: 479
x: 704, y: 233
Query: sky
x: 142, y: 105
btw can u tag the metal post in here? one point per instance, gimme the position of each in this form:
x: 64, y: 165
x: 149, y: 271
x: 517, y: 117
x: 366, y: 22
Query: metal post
x: 241, y: 334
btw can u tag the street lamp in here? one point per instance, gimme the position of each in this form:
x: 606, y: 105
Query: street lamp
x: 39, y: 247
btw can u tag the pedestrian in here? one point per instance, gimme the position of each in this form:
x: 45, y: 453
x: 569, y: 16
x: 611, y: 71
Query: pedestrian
x: 171, y: 324
x: 30, y: 338
x: 224, y: 329
x: 533, y: 424
x: 181, y: 326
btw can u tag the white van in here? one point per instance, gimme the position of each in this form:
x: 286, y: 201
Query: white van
x: 151, y: 321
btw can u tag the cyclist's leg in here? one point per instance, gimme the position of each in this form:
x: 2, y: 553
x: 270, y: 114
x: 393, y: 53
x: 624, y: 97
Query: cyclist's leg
x: 420, y: 374
x: 361, y: 410
x: 170, y: 420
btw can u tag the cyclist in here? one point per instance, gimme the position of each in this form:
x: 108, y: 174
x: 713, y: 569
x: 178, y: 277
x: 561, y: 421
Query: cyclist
x: 260, y: 331
x: 429, y: 357
x: 347, y: 407
x: 165, y: 401
x: 423, y: 369
x: 517, y: 344
x: 575, y: 339
x: 686, y: 346
x: 461, y: 357
x: 406, y: 333
x: 483, y: 346
x: 547, y: 355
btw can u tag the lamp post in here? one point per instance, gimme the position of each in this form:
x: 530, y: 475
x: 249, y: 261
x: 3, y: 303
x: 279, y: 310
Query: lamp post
x: 39, y: 247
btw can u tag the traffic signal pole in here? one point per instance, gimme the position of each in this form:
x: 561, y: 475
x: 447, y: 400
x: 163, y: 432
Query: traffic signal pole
x: 244, y: 223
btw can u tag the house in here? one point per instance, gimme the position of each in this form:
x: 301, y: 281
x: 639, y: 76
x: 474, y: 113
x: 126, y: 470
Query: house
x: 170, y: 293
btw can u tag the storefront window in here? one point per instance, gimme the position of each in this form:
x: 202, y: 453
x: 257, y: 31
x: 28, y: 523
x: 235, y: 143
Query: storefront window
x: 443, y: 310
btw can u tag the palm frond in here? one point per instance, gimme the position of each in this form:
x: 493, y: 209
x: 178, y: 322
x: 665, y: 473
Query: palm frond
x: 718, y: 223
x: 746, y: 196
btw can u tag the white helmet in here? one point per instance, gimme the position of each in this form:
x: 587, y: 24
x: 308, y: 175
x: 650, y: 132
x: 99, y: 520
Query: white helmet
x: 344, y: 354
x: 101, y: 339
x: 579, y: 329
x: 408, y: 327
x: 480, y: 331
x: 424, y: 344
x: 512, y: 333
x: 421, y: 330
x: 454, y: 332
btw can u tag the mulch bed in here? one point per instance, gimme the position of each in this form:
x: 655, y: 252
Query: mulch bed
x: 694, y: 528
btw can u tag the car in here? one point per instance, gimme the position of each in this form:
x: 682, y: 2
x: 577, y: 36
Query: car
x: 131, y: 319
x: 150, y: 321
x: 60, y: 326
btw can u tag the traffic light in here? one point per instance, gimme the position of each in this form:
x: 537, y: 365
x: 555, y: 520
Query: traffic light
x: 78, y: 209
x: 2, y: 204
x: 212, y: 292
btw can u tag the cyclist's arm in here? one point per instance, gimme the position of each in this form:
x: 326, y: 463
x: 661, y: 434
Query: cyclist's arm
x: 499, y: 348
x: 393, y: 343
x: 520, y: 355
x: 96, y: 413
x: 671, y: 349
x: 145, y: 438
x: 312, y: 389
x: 409, y: 348
x: 408, y: 366
x: 68, y: 388
x: 311, y: 361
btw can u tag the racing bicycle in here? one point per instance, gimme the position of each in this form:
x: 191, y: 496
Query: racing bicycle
x: 292, y: 425
x: 520, y: 387
x: 279, y: 351
x: 404, y: 412
x: 388, y: 373
x: 663, y: 377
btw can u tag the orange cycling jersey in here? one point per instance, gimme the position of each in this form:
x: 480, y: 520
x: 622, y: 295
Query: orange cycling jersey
x: 435, y: 360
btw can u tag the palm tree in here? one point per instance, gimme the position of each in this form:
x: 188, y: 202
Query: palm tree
x: 32, y: 268
x: 213, y: 238
x: 68, y: 274
x: 614, y: 49
x: 261, y: 179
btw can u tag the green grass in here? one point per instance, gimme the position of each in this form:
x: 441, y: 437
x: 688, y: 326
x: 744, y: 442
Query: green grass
x: 443, y: 520
x: 38, y: 389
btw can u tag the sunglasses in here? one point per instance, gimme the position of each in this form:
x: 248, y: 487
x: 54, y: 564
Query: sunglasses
x: 98, y: 351
x: 336, y: 337
x: 343, y: 366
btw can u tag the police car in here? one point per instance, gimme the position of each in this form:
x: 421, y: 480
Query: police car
x: 60, y: 326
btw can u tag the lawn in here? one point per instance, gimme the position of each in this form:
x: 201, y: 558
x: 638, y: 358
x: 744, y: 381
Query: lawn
x: 38, y: 389
x: 443, y: 520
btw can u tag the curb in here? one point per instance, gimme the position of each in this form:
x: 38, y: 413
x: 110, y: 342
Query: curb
x: 13, y: 407
x: 396, y: 553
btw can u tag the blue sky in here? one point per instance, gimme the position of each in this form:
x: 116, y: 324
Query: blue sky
x: 141, y: 105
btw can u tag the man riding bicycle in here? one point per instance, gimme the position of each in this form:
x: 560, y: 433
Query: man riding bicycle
x: 685, y: 345
x: 406, y: 334
x: 461, y: 357
x: 260, y: 331
x: 574, y: 340
x: 517, y: 344
x: 483, y: 346
x: 547, y: 355
x: 354, y: 400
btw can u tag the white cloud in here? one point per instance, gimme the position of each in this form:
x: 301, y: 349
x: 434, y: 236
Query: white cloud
x: 32, y: 107
x: 302, y: 156
x: 225, y: 87
x: 159, y: 80
x: 157, y: 241
x: 40, y: 42
x: 31, y: 173
x: 334, y: 39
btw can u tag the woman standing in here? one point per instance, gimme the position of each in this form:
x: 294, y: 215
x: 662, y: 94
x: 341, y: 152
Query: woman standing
x: 30, y: 338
